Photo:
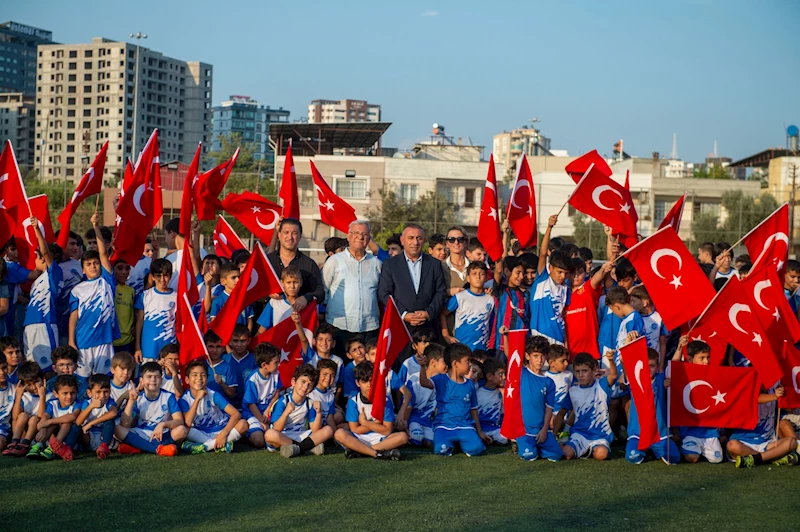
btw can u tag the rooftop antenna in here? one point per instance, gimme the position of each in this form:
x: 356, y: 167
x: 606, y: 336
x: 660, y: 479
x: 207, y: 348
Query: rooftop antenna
x: 674, y: 155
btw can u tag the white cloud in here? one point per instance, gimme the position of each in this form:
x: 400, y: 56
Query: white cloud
x: 430, y: 13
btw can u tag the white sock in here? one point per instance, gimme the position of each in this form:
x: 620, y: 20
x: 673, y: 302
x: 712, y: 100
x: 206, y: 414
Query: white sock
x: 195, y: 436
x: 234, y: 435
x: 210, y: 444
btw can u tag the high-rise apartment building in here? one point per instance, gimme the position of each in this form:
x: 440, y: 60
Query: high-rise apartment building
x: 18, y: 44
x: 243, y: 116
x: 86, y: 93
x: 509, y: 146
x: 324, y: 111
x: 17, y: 125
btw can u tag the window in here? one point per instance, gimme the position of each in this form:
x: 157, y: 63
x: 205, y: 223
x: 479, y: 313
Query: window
x: 705, y: 208
x: 351, y: 188
x: 469, y: 197
x: 73, y: 53
x: 661, y: 208
x: 409, y: 193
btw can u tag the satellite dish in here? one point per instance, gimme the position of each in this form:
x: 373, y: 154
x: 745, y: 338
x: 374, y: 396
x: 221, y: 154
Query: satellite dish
x: 792, y: 131
x: 435, y: 125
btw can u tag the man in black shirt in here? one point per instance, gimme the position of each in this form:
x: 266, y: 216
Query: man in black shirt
x: 288, y: 254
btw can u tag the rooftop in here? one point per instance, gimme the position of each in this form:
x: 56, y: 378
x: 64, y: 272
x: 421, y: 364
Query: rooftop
x: 324, y: 138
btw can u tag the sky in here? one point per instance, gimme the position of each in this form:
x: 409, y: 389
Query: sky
x: 591, y: 72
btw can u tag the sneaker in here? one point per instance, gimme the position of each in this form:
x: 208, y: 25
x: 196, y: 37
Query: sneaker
x: 350, y: 453
x: 103, y: 451
x: 21, y: 449
x: 9, y: 450
x: 61, y: 449
x: 47, y: 453
x: 124, y: 448
x: 745, y: 461
x: 562, y: 437
x: 193, y: 448
x: 790, y: 459
x: 167, y: 450
x: 227, y: 449
x: 318, y: 450
x: 35, y: 451
x: 394, y: 455
x: 288, y: 451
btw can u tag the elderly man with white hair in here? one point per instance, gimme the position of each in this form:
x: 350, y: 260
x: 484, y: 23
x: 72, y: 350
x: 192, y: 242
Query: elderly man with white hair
x: 351, y: 286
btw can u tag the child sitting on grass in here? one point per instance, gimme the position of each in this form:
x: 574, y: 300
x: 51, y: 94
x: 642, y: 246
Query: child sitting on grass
x: 97, y: 415
x: 29, y: 392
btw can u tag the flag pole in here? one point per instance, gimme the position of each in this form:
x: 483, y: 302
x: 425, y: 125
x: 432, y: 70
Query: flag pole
x: 585, y: 174
x: 669, y: 395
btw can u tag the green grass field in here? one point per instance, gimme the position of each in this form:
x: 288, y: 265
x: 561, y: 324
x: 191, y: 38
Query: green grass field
x: 256, y: 490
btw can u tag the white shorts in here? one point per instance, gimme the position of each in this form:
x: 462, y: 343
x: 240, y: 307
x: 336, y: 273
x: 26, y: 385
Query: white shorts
x: 370, y: 438
x: 417, y: 433
x: 710, y: 448
x: 95, y: 360
x: 497, y: 437
x: 583, y: 446
x: 39, y: 340
x: 204, y: 436
x: 794, y: 419
x: 254, y: 425
x: 297, y: 435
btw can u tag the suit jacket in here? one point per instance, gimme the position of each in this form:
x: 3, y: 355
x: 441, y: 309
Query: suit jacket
x: 396, y: 281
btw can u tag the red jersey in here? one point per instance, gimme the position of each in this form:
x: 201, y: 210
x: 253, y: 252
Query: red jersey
x: 581, y: 321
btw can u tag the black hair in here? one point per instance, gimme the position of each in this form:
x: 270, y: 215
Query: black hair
x: 792, y: 265
x: 227, y: 269
x: 570, y: 249
x: 557, y: 351
x: 555, y: 243
x: 160, y: 266
x: 586, y: 254
x: 211, y: 336
x: 327, y: 363
x: 511, y: 262
x: 744, y: 269
x: 722, y: 247
x: 624, y: 269
x: 89, y: 255
x: 578, y: 264
x: 65, y: 381
x: 308, y: 371
x: 212, y: 258
x: 434, y: 352
x: 559, y: 259
x: 9, y: 341
x: 363, y: 372
x: 455, y: 353
x: 744, y: 258
x: 475, y: 265
x: 529, y: 260
x: 100, y: 380
x: 641, y: 292
x: 435, y: 239
x: 292, y: 271
x: 617, y: 295
x: 265, y: 353
x: 240, y: 256
x: 150, y: 367
x: 584, y: 359
x: 480, y: 354
x: 695, y: 347
x: 707, y: 246
x: 291, y: 221
x: 169, y: 349
x: 492, y: 366
x: 196, y: 363
x: 333, y: 243
x: 120, y: 261
x: 370, y: 344
x: 537, y: 344
x: 356, y: 338
x: 719, y: 282
x: 63, y: 352
x: 55, y: 252
x: 474, y: 244
x: 394, y: 239
x: 652, y: 354
x: 29, y: 371
x: 324, y: 328
x: 173, y: 226
x: 240, y: 330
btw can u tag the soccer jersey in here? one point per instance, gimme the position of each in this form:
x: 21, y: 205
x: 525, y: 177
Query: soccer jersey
x: 580, y: 321
x: 660, y: 396
x: 728, y: 275
x: 349, y: 380
x: 473, y: 318
x: 224, y: 370
x: 423, y: 402
x: 313, y: 358
x: 168, y: 385
x: 44, y: 292
x: 139, y: 273
x: 547, y: 303
x: 218, y: 302
x: 299, y: 419
x: 259, y: 391
x: 96, y: 412
x: 97, y: 318
x: 326, y: 400
x: 150, y: 412
x: 7, y: 396
x: 210, y: 415
x: 562, y: 382
x: 454, y: 402
x: 158, y: 328
x: 764, y: 431
x: 30, y: 402
x: 654, y: 329
x: 54, y: 408
x: 358, y: 403
x: 510, y: 311
x: 537, y: 393
x: 124, y: 299
x: 117, y: 391
x: 71, y: 275
x: 242, y: 368
x: 276, y: 311
x: 490, y: 408
x: 590, y: 405
x: 83, y: 386
x: 409, y: 368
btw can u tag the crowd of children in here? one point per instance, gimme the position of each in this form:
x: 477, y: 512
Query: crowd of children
x: 97, y: 368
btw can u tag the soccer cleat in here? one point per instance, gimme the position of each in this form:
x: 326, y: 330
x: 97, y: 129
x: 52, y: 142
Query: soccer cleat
x: 288, y: 451
x: 9, y: 451
x: 47, y: 453
x: 193, y: 448
x: 35, y: 451
x: 562, y: 437
x: 393, y: 455
x: 124, y: 448
x: 20, y: 450
x: 167, y: 450
x: 318, y: 450
x: 350, y: 453
x: 745, y: 461
x: 227, y: 449
x: 790, y: 459
x: 61, y: 449
x: 103, y: 451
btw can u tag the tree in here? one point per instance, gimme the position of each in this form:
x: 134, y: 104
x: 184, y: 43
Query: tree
x: 431, y: 211
x: 743, y: 214
x: 589, y: 232
x: 712, y: 172
x: 246, y: 161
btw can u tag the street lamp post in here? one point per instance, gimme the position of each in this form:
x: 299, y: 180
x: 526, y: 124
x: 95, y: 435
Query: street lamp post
x: 138, y: 36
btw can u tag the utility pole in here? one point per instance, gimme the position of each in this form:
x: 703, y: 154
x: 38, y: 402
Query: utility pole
x: 138, y: 36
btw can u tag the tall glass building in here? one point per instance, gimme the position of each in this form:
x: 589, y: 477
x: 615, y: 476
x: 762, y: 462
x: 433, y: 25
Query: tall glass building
x: 18, y: 44
x: 243, y: 115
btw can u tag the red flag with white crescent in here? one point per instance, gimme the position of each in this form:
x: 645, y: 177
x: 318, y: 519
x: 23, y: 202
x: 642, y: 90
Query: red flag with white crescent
x: 192, y: 345
x: 489, y: 232
x: 288, y: 191
x: 283, y: 335
x: 770, y: 239
x: 90, y: 184
x: 605, y: 200
x: 674, y: 216
x: 521, y: 212
x: 209, y: 186
x: 392, y: 339
x: 333, y: 210
x: 226, y: 240
x: 258, y: 214
x: 791, y: 379
x: 577, y: 168
x: 25, y: 235
x: 637, y: 368
x: 771, y: 306
x: 513, y: 425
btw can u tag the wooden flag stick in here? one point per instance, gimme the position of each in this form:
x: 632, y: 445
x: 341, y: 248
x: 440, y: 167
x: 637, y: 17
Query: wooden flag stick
x: 97, y: 201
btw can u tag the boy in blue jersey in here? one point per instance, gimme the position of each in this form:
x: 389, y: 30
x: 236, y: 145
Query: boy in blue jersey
x: 260, y: 393
x: 56, y: 433
x: 588, y: 400
x: 65, y: 362
x: 93, y: 321
x: 419, y: 403
x: 537, y: 396
x: 72, y: 274
x: 7, y: 395
x: 474, y: 310
x: 558, y: 361
x: 490, y: 399
x: 25, y: 415
x: 356, y: 351
x: 456, y: 419
x: 214, y: 424
x: 158, y: 418
x: 280, y: 308
x: 241, y: 360
x: 229, y: 278
x: 654, y: 328
x: 97, y: 415
x: 155, y: 314
x: 664, y: 449
x: 12, y: 352
x: 324, y: 342
x: 366, y: 435
x: 169, y: 360
x: 550, y: 292
x: 122, y: 387
x: 41, y: 317
x: 297, y: 421
x: 325, y: 394
x: 420, y: 340
x: 225, y: 380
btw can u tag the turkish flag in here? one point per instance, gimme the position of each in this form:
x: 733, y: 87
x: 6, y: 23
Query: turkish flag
x: 674, y: 282
x: 283, y: 335
x: 513, y: 426
x: 127, y: 176
x: 90, y: 184
x: 674, y: 216
x: 637, y: 368
x: 25, y: 235
x: 707, y: 332
x: 791, y: 386
x: 521, y: 211
x: 256, y: 213
x: 258, y: 280
x: 771, y: 306
x: 731, y: 313
x: 187, y: 199
x: 577, y: 168
x: 209, y: 187
x: 392, y: 339
x: 288, y: 192
x: 141, y: 206
x: 12, y: 192
x: 187, y: 287
x: 333, y: 210
x: 226, y: 241
x: 770, y: 238
x: 605, y: 200
x: 489, y: 222
x: 708, y: 396
x: 192, y: 345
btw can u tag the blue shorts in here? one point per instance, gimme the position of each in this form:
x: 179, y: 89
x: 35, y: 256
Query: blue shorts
x: 636, y: 456
x: 444, y: 441
x: 529, y: 449
x: 5, y: 430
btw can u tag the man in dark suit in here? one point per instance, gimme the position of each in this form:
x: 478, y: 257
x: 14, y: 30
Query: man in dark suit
x: 417, y: 283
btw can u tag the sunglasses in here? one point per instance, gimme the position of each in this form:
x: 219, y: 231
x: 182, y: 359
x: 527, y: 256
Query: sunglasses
x: 459, y: 239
